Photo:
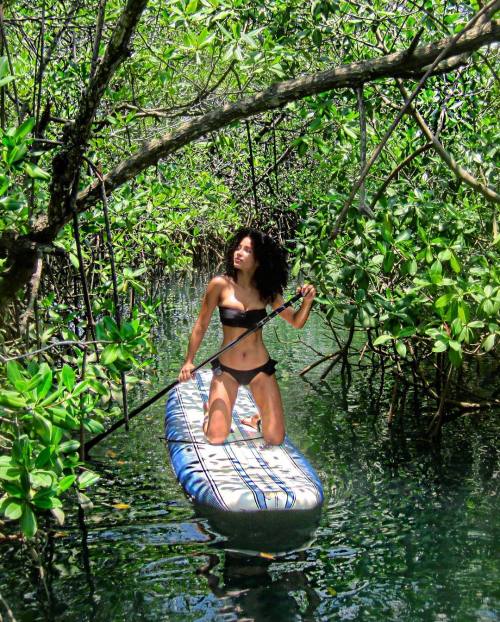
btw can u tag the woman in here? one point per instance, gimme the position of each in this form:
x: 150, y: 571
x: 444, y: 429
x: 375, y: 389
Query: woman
x: 256, y: 273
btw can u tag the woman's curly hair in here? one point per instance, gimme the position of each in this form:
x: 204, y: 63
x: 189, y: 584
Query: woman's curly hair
x: 271, y: 275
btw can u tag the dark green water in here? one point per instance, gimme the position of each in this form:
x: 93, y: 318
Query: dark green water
x: 408, y: 532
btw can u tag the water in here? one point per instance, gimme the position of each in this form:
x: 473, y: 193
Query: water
x: 408, y: 531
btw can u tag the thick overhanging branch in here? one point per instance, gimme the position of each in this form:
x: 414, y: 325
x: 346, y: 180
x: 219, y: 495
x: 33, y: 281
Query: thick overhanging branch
x: 281, y: 93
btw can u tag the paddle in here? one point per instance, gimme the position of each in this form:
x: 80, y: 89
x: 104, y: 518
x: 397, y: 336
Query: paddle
x: 133, y: 413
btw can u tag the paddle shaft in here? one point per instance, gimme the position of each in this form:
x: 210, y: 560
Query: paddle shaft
x: 133, y: 413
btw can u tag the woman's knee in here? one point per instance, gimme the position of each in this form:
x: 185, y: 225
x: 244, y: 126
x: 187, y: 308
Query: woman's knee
x: 274, y: 432
x: 274, y: 438
x: 218, y: 426
x: 215, y: 438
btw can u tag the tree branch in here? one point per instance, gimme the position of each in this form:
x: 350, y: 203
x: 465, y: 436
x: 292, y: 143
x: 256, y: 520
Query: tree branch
x: 451, y: 49
x: 395, y: 172
x: 345, y: 76
x: 67, y: 163
x: 460, y: 172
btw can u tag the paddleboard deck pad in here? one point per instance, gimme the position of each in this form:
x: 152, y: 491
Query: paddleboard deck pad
x: 243, y: 474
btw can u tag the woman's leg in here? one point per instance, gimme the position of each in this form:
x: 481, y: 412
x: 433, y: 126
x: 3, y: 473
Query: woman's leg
x: 223, y: 392
x: 266, y: 393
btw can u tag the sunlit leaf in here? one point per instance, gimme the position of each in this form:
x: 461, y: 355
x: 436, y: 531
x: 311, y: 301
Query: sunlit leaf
x: 29, y: 525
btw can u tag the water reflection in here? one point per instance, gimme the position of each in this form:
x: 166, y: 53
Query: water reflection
x: 246, y: 589
x: 409, y: 530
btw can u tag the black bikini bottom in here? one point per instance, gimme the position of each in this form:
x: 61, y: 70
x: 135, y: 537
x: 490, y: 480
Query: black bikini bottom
x: 244, y: 376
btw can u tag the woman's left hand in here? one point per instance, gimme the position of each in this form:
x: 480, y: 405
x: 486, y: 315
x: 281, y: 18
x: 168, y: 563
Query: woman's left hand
x: 308, y: 291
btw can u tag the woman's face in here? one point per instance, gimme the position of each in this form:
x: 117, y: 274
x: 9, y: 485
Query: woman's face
x: 244, y: 258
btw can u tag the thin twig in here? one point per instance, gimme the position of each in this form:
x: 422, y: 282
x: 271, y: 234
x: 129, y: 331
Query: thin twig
x: 402, y: 112
x: 58, y: 344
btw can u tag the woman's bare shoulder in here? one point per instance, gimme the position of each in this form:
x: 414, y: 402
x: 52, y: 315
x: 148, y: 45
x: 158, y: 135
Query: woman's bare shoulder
x: 219, y: 281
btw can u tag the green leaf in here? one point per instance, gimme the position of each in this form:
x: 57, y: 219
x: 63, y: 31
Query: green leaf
x: 4, y: 66
x: 86, y: 479
x: 46, y: 500
x: 403, y: 236
x: 69, y: 446
x: 6, y: 80
x: 401, y: 349
x: 41, y: 479
x: 389, y: 260
x: 191, y: 7
x: 15, y: 377
x: 110, y: 354
x: 412, y: 267
x: 488, y: 343
x: 443, y: 301
x: 14, y: 489
x: 10, y: 203
x: 476, y: 324
x: 11, y: 508
x: 488, y: 307
x: 74, y: 261
x: 45, y: 382
x: 35, y: 172
x: 80, y: 387
x: 51, y: 398
x: 43, y: 427
x: 17, y: 153
x: 455, y: 266
x: 12, y: 399
x: 28, y: 522
x: 436, y: 269
x: 444, y: 255
x: 382, y: 339
x: 65, y: 483
x: 349, y: 132
x: 317, y: 37
x: 68, y: 377
x: 25, y: 128
x: 43, y: 457
x: 92, y: 425
x: 9, y: 471
x: 439, y: 346
x: 455, y: 353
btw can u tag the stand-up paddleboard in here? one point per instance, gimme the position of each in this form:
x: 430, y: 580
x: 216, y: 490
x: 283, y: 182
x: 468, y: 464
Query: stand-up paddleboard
x: 243, y: 474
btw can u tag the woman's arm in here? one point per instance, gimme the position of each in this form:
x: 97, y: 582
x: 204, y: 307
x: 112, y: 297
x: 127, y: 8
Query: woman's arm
x: 297, y: 318
x: 208, y: 304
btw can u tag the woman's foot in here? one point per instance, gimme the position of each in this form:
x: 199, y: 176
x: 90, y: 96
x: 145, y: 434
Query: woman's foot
x: 254, y: 422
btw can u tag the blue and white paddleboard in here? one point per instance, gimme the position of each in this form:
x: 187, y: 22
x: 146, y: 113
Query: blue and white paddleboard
x: 243, y: 474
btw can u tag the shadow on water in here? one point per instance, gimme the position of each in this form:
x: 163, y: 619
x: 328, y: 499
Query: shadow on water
x: 257, y: 533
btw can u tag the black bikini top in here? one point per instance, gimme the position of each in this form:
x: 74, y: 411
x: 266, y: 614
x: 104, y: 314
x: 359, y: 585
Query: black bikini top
x: 241, y: 319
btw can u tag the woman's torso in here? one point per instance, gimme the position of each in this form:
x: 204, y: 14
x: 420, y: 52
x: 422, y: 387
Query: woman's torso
x: 251, y: 352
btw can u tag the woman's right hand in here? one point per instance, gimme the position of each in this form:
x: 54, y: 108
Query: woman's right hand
x: 186, y: 372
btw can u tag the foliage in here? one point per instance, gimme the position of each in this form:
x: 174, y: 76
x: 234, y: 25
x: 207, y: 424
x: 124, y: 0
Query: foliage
x: 420, y: 279
x: 42, y: 411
